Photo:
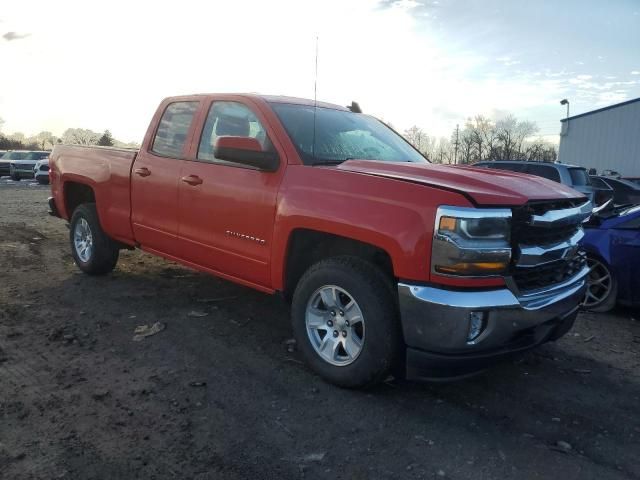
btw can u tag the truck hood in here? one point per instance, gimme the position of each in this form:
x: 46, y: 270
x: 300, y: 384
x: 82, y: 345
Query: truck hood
x: 484, y: 186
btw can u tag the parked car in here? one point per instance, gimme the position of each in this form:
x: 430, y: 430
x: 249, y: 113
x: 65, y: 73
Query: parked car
x: 611, y: 173
x: 612, y: 243
x: 572, y: 176
x: 624, y: 191
x: 4, y: 164
x: 22, y: 167
x: 388, y: 260
x: 635, y: 180
x: 7, y: 158
x: 41, y: 171
x: 603, y: 191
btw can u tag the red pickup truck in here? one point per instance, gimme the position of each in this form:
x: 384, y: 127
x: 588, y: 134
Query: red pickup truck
x: 391, y: 264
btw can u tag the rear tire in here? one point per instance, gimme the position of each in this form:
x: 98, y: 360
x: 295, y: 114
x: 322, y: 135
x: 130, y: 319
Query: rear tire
x: 92, y: 250
x: 345, y: 322
x: 15, y: 178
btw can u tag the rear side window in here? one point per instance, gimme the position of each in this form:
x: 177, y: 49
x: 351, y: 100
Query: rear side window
x: 172, y: 131
x: 579, y: 177
x: 544, y: 171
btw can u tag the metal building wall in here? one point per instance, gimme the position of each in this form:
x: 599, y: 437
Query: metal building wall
x: 604, y: 139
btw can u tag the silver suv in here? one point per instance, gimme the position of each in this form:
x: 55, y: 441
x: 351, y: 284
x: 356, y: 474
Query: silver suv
x: 569, y: 175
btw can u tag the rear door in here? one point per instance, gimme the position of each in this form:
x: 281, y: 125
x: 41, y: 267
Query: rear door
x: 227, y: 210
x: 155, y: 177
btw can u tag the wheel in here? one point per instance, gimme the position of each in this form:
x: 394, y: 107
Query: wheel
x: 93, y: 251
x: 602, y: 287
x: 42, y: 181
x: 345, y: 321
x: 15, y: 177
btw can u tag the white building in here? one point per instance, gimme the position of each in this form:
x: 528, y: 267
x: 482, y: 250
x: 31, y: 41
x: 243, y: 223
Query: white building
x: 604, y: 139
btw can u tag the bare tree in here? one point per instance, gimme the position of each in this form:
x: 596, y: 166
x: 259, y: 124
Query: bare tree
x: 45, y: 140
x: 523, y: 131
x: 419, y: 139
x: 80, y: 136
x: 465, y: 151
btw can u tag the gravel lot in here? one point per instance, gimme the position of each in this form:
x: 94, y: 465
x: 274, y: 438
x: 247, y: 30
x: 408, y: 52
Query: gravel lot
x: 218, y: 394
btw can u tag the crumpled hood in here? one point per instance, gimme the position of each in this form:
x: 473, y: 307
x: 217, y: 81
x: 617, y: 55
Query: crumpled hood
x: 485, y: 186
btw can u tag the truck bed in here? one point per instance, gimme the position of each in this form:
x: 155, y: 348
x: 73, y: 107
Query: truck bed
x: 108, y: 171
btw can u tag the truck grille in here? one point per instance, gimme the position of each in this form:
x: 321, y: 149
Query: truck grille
x: 556, y: 263
x: 528, y: 235
x: 533, y: 278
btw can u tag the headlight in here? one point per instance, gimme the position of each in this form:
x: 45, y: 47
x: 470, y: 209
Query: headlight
x: 471, y: 241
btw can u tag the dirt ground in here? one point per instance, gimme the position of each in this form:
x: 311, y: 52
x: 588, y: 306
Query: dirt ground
x: 218, y: 394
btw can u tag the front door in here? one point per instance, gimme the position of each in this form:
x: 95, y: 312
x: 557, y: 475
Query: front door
x: 155, y: 177
x: 227, y: 210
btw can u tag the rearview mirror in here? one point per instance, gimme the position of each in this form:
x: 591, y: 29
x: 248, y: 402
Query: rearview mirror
x: 247, y: 151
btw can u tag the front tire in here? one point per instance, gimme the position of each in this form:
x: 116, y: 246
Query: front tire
x: 92, y: 250
x: 602, y: 286
x: 15, y: 177
x: 345, y: 322
x: 42, y: 181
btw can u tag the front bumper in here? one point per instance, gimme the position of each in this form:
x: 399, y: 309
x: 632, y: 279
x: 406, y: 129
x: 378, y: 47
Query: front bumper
x: 436, y: 324
x: 53, y: 209
x: 22, y: 173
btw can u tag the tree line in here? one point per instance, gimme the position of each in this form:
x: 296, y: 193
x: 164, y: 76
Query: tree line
x: 47, y: 140
x: 483, y: 139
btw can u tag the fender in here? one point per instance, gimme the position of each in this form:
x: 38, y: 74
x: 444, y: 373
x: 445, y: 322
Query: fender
x: 393, y: 215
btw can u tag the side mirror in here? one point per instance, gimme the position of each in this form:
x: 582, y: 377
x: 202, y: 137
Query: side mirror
x: 247, y: 151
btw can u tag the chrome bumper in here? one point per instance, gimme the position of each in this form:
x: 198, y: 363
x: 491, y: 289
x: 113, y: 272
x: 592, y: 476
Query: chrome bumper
x: 438, y: 320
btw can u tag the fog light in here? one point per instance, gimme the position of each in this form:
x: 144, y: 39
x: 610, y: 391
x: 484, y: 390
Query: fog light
x: 476, y: 325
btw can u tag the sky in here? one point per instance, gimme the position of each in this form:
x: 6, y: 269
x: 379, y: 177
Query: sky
x: 432, y: 63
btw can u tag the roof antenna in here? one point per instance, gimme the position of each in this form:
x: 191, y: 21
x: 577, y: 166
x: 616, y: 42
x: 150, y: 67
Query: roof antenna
x: 315, y: 104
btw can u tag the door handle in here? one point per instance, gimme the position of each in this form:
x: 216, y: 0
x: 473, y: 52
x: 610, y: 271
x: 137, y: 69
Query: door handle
x: 192, y: 180
x: 143, y: 172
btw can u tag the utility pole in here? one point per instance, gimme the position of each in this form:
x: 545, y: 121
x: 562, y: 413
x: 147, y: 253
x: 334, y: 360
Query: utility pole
x: 455, y: 151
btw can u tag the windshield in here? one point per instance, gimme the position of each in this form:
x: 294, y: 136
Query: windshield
x: 579, y: 177
x: 36, y: 155
x: 342, y: 135
x: 15, y: 155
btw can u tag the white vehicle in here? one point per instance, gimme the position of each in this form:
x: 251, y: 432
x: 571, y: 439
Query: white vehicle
x: 41, y: 171
x: 22, y: 163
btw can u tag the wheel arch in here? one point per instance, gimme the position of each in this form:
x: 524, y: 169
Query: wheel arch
x: 306, y: 247
x: 75, y: 194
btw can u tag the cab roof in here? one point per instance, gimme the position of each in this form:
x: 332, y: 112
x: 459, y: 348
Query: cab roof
x: 275, y: 99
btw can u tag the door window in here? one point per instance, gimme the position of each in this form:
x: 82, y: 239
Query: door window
x: 172, y: 131
x: 232, y: 119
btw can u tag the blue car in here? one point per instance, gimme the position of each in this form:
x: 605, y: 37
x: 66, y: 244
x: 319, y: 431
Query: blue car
x: 612, y: 243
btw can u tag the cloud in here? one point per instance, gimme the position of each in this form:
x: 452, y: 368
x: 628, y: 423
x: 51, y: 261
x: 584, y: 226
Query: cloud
x: 635, y: 72
x: 10, y: 36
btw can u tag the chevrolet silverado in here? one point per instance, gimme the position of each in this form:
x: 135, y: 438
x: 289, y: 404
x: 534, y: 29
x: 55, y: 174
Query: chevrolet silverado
x: 391, y: 264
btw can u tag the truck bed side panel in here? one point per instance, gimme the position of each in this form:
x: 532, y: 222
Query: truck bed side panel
x: 108, y: 172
